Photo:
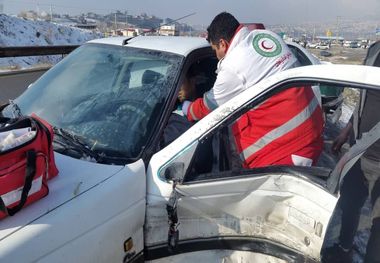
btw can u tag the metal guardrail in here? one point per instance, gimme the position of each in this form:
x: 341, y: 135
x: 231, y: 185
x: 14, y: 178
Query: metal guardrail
x: 36, y: 50
x: 14, y: 82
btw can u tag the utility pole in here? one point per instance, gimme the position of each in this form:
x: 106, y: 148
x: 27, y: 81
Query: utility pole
x: 115, y: 24
x: 51, y: 13
x: 337, y: 28
x: 126, y: 20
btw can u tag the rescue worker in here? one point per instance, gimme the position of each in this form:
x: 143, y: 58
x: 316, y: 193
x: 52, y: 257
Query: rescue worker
x: 286, y: 129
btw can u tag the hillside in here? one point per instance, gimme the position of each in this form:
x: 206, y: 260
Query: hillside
x: 16, y: 31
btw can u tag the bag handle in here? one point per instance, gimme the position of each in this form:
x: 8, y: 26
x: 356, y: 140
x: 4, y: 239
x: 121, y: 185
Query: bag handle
x: 29, y: 175
x: 45, y: 129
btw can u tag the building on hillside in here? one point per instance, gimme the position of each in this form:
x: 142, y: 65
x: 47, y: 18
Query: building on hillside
x: 168, y: 30
x: 126, y: 32
x: 131, y: 32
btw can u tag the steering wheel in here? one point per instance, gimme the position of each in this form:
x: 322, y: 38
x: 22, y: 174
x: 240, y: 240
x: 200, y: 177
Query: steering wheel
x: 131, y: 107
x: 136, y: 114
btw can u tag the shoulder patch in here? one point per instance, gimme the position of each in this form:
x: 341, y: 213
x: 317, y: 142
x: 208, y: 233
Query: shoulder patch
x: 266, y: 45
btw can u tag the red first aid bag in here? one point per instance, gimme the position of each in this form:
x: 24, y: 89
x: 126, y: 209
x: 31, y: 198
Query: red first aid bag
x: 26, y: 162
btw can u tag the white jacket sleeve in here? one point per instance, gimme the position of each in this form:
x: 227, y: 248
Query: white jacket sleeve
x: 227, y: 85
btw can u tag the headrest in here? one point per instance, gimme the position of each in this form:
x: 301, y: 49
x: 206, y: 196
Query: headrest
x: 150, y: 77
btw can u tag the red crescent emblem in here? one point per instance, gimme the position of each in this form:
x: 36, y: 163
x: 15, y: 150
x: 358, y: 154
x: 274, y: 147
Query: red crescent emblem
x: 265, y: 47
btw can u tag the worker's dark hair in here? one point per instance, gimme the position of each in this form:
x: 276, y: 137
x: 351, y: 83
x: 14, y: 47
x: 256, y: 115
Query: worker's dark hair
x: 223, y: 26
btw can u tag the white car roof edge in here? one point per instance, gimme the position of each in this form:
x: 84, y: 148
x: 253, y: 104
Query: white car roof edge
x: 177, y: 44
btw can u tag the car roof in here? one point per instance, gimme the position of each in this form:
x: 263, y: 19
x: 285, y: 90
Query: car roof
x: 173, y: 44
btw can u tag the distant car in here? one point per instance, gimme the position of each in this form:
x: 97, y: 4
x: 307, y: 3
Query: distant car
x: 354, y: 45
x: 311, y: 45
x: 117, y: 191
x: 322, y: 46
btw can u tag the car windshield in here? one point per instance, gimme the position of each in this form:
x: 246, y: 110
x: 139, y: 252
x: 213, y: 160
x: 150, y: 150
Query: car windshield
x: 110, y: 97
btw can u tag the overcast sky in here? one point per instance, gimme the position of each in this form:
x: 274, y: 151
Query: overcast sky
x: 265, y: 11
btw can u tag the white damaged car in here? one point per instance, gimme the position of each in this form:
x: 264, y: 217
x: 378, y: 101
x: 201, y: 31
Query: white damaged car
x: 121, y: 197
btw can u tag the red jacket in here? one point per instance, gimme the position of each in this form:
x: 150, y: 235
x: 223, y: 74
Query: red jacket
x: 271, y: 133
x: 283, y: 129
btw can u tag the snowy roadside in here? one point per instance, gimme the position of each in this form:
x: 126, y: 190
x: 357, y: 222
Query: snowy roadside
x: 21, y: 32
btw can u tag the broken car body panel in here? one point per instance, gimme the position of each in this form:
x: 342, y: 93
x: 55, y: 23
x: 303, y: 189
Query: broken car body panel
x: 290, y: 210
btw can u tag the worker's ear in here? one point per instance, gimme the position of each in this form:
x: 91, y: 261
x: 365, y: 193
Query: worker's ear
x: 223, y: 45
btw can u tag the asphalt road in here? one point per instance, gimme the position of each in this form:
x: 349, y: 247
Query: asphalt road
x: 12, y: 84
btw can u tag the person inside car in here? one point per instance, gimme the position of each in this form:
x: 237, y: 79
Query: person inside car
x: 284, y: 130
x: 178, y: 123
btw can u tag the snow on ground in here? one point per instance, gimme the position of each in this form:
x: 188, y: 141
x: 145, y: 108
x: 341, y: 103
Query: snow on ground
x: 16, y: 31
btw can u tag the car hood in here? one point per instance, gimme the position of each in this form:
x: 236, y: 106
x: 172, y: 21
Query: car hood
x: 75, y: 177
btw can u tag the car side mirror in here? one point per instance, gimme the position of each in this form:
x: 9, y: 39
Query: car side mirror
x: 174, y: 171
x: 176, y: 168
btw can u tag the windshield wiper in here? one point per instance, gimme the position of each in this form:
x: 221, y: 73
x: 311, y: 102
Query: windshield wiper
x: 74, y: 142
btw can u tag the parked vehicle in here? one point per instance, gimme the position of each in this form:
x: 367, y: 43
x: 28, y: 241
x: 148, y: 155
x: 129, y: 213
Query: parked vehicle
x: 312, y: 45
x: 109, y: 102
x: 354, y: 45
x: 322, y: 46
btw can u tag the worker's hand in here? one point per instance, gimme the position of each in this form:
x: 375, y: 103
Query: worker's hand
x: 337, y: 144
x: 341, y: 139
